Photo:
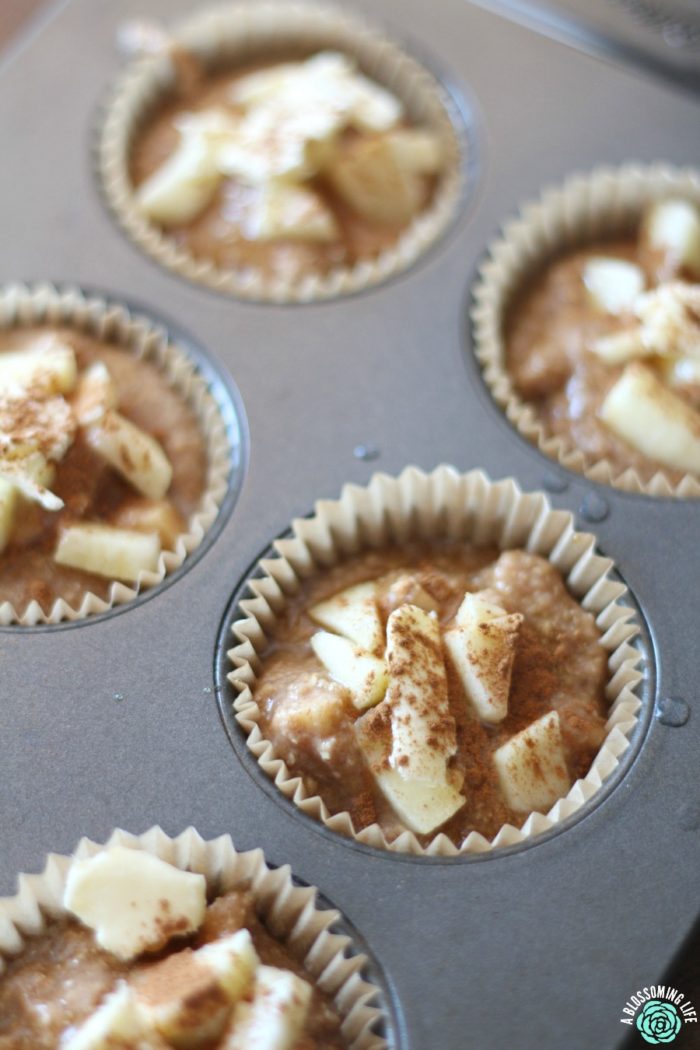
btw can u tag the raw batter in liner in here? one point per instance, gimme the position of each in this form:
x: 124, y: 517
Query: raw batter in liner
x: 90, y: 488
x: 40, y: 996
x: 559, y: 665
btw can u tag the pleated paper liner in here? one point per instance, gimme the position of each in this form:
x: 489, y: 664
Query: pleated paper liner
x: 442, y: 504
x: 585, y: 208
x: 289, y: 912
x: 22, y: 305
x: 230, y: 35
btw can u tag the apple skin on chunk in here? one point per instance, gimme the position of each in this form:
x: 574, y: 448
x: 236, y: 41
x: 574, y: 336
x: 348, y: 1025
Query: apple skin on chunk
x: 654, y: 420
x: 354, y: 614
x: 482, y: 647
x: 531, y: 766
x: 360, y: 672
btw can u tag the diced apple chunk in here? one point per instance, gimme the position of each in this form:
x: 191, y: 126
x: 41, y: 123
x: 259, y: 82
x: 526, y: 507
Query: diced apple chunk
x: 673, y: 227
x: 183, y: 185
x: 482, y: 647
x: 288, y: 212
x: 422, y: 805
x: 360, y: 672
x: 531, y: 766
x: 134, y: 901
x: 416, y: 150
x: 620, y: 347
x: 47, y: 364
x: 8, y: 506
x: 354, y: 614
x: 368, y: 176
x: 655, y: 421
x: 132, y: 452
x: 613, y: 284
x: 187, y: 996
x: 116, y: 1023
x: 409, y: 738
x: 151, y: 515
x: 275, y: 1017
x: 118, y: 554
x: 95, y: 393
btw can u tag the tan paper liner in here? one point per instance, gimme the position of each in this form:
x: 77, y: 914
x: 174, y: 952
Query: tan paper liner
x: 289, y: 912
x: 583, y: 209
x: 457, y: 506
x: 228, y: 35
x: 21, y: 305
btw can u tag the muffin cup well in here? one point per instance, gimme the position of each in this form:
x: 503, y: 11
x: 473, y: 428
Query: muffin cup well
x: 23, y: 306
x: 229, y: 35
x: 442, y: 504
x: 585, y: 208
x: 289, y: 912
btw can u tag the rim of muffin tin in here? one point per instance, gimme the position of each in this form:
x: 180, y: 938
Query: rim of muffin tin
x: 123, y: 111
x: 226, y: 694
x: 365, y: 986
x: 540, y: 231
x: 223, y: 392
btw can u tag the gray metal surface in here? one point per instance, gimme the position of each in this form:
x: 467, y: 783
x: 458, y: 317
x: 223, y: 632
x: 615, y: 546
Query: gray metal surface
x: 534, y: 949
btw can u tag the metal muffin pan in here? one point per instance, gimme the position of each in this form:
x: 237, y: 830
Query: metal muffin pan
x: 114, y: 722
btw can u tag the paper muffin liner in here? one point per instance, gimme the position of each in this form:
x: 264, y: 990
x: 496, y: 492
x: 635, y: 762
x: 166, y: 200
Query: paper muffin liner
x: 23, y: 306
x: 585, y: 208
x: 442, y: 504
x: 228, y: 35
x: 288, y: 911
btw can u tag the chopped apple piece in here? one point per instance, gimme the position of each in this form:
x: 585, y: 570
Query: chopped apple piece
x: 183, y: 185
x: 613, y: 284
x: 531, y: 766
x: 133, y: 901
x: 47, y: 365
x: 620, y: 347
x: 373, y: 108
x: 360, y: 672
x: 31, y: 474
x: 151, y: 515
x: 187, y: 997
x: 289, y: 212
x: 655, y: 421
x: 422, y: 805
x: 118, y: 554
x: 8, y: 505
x: 411, y: 768
x: 354, y: 614
x: 416, y: 150
x: 367, y: 175
x: 682, y: 373
x: 132, y: 452
x: 673, y: 227
x: 95, y: 393
x: 482, y: 647
x: 116, y: 1023
x: 275, y: 1017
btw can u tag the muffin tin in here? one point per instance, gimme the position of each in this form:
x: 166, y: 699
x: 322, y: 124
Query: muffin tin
x: 114, y: 721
